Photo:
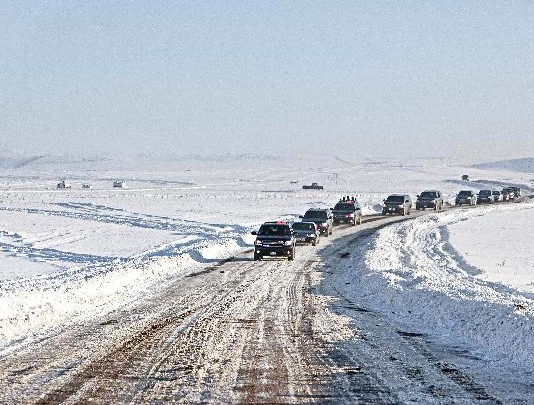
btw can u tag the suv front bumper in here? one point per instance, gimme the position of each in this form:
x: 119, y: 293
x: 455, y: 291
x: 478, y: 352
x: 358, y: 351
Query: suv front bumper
x: 273, y: 251
x: 392, y: 210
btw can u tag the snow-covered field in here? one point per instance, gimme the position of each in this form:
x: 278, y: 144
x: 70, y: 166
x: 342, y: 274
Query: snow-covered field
x: 500, y: 245
x: 66, y: 255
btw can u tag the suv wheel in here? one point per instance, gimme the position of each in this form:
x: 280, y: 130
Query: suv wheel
x: 257, y: 257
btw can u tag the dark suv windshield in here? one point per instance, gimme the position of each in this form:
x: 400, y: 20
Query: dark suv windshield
x: 485, y: 192
x: 343, y: 206
x: 299, y: 226
x: 274, y: 230
x: 396, y: 199
x: 428, y: 194
x: 465, y: 193
x: 316, y: 214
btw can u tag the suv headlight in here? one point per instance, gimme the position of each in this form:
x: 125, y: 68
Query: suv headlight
x: 258, y: 242
x: 324, y: 224
x: 288, y: 243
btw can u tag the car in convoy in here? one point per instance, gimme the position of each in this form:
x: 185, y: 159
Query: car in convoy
x: 465, y: 177
x: 322, y: 217
x: 466, y: 197
x: 313, y: 186
x: 511, y: 192
x: 515, y: 190
x: 63, y: 184
x: 397, y: 204
x: 485, y: 197
x: 306, y: 233
x: 429, y: 199
x: 274, y: 239
x: 497, y: 196
x: 347, y: 211
x: 505, y: 195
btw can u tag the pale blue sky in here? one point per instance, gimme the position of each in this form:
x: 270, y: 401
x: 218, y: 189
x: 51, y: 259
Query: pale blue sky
x: 399, y: 78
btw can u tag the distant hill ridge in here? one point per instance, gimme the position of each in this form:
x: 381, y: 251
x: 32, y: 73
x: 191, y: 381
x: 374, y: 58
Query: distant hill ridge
x: 525, y: 165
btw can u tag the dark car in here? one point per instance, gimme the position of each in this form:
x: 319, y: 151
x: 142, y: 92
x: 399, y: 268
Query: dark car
x: 313, y: 186
x: 306, y: 233
x: 347, y: 211
x: 323, y: 218
x: 429, y: 199
x: 505, y: 195
x: 274, y: 239
x: 466, y: 197
x: 485, y: 197
x: 397, y: 204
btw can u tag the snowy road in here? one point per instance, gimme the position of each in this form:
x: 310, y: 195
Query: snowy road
x: 249, y: 332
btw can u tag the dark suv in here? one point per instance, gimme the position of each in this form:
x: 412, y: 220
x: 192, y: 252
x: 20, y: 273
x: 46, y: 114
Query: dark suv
x: 322, y: 217
x: 274, y: 239
x: 347, y: 211
x: 468, y: 197
x: 430, y: 199
x: 306, y: 232
x: 485, y: 197
x: 397, y: 204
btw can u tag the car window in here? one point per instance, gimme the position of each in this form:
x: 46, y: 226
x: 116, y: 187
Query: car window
x: 395, y: 199
x: 316, y: 214
x: 274, y: 230
x: 342, y: 206
x: 299, y: 226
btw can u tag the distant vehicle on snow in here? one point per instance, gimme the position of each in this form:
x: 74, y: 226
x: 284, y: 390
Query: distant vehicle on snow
x: 86, y: 186
x: 467, y: 197
x: 323, y: 218
x: 306, y: 233
x: 119, y: 184
x: 497, y: 196
x: 485, y: 197
x: 429, y: 199
x: 63, y: 184
x: 347, y: 210
x: 516, y: 190
x: 397, y: 204
x: 511, y: 192
x: 465, y: 177
x: 313, y: 186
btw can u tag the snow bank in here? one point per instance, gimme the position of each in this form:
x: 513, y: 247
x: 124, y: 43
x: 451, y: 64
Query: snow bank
x: 500, y: 244
x: 411, y: 271
x: 29, y: 307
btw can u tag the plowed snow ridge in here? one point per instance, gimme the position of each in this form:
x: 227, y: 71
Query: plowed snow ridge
x: 410, y: 270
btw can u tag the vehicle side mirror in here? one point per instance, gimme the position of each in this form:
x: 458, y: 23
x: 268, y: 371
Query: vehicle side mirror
x: 300, y: 216
x: 384, y: 200
x: 254, y: 233
x: 418, y: 196
x: 331, y: 208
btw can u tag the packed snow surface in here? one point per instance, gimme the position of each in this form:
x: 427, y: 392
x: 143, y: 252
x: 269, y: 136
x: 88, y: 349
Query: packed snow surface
x: 500, y: 245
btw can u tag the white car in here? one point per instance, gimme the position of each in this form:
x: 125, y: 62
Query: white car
x: 497, y: 196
